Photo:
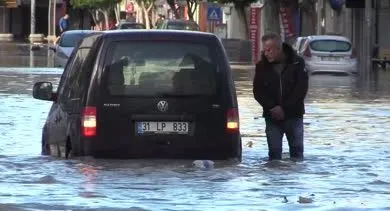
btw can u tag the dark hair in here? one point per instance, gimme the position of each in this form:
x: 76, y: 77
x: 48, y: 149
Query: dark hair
x: 272, y: 36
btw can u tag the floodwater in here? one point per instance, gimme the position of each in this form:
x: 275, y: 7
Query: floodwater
x: 347, y: 164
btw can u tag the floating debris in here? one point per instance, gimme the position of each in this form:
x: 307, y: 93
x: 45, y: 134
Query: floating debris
x: 249, y: 144
x: 304, y: 200
x: 285, y: 200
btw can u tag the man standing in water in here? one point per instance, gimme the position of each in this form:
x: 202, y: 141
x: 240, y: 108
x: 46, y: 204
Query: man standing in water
x: 280, y: 86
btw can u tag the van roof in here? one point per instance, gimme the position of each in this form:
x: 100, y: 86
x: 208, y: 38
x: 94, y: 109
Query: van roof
x: 147, y: 34
x: 156, y: 33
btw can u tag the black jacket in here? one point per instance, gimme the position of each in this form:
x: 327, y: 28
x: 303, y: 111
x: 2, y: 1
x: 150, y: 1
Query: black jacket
x: 287, y: 90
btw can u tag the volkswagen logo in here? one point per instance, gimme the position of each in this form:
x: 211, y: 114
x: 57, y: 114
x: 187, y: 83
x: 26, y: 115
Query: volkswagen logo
x: 162, y: 106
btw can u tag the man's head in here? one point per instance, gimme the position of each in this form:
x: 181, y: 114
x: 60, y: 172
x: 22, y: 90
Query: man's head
x: 66, y: 16
x: 272, y: 46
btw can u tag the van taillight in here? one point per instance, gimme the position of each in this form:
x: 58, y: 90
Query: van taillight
x: 307, y: 52
x: 232, y: 120
x: 353, y: 55
x: 88, y: 121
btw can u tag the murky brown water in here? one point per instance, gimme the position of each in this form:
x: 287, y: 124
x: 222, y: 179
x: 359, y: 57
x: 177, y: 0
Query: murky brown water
x: 346, y: 167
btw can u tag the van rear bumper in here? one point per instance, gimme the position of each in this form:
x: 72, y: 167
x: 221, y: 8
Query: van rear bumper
x: 229, y: 147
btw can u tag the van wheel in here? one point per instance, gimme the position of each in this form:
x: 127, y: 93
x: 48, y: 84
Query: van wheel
x: 237, y: 151
x: 68, y: 149
x: 239, y: 154
x: 45, y: 147
x: 54, y: 150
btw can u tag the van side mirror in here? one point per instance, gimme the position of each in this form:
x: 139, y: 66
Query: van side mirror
x: 43, y: 91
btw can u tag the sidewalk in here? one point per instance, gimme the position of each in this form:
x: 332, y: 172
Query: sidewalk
x: 242, y: 66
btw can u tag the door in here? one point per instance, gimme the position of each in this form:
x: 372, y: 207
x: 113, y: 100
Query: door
x: 53, y: 132
x: 159, y: 93
x: 68, y: 92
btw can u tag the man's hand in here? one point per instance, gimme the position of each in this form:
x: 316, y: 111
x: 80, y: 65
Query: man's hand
x: 277, y: 113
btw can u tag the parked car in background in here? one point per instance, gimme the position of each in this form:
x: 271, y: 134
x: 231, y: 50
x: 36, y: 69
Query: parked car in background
x: 329, y: 54
x: 130, y: 25
x: 180, y: 24
x: 65, y: 45
x: 123, y: 95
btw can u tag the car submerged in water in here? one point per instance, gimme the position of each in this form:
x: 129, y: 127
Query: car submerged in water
x: 124, y: 95
x: 179, y: 24
x: 65, y: 45
x: 329, y: 54
x: 129, y: 25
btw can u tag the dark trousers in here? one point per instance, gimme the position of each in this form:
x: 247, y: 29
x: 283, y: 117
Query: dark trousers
x: 293, y: 128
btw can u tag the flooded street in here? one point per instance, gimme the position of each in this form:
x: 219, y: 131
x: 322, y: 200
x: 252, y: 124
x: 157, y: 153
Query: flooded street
x: 347, y: 164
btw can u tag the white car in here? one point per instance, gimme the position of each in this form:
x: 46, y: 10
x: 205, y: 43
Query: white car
x: 329, y: 54
x: 65, y: 45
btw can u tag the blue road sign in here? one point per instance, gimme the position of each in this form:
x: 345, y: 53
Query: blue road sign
x: 214, y: 14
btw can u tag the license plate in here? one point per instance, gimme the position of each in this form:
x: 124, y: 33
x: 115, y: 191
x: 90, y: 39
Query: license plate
x: 330, y: 58
x: 162, y: 127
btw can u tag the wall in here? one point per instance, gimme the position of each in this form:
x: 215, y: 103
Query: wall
x: 235, y: 26
x: 384, y: 29
x: 17, y: 26
x: 333, y: 19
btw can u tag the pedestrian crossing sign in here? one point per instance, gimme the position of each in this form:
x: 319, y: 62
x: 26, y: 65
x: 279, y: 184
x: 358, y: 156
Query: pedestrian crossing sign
x: 214, y: 14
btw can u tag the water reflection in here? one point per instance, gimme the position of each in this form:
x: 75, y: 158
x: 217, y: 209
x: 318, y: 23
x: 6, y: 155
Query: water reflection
x: 20, y: 55
x: 90, y: 179
x: 32, y: 58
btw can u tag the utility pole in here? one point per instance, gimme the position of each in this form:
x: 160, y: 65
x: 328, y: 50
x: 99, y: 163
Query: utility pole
x: 54, y: 18
x: 49, y: 31
x: 32, y: 27
x: 367, y: 47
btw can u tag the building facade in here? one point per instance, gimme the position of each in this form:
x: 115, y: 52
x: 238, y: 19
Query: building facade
x: 15, y: 17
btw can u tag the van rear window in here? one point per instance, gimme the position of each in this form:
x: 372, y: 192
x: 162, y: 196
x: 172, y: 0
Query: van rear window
x: 147, y: 68
x: 330, y: 45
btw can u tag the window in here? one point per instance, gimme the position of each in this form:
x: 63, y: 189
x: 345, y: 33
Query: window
x: 71, y: 83
x: 77, y: 80
x: 64, y: 76
x: 71, y: 40
x: 330, y: 45
x: 160, y: 67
